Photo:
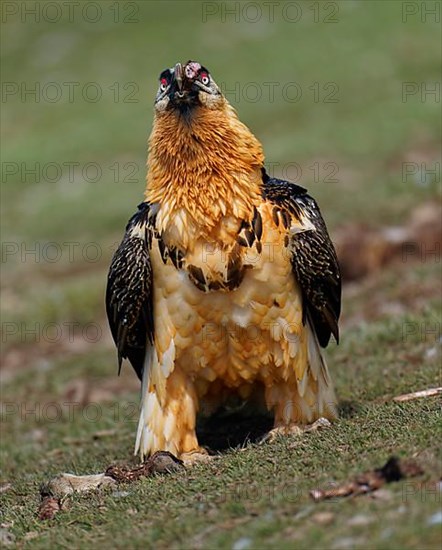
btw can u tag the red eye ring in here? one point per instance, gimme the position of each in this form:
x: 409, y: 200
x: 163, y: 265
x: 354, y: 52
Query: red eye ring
x: 163, y: 84
x: 204, y: 77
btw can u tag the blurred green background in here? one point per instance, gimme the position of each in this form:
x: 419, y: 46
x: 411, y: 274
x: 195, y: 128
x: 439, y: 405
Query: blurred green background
x: 322, y: 85
x: 341, y: 94
x: 345, y: 121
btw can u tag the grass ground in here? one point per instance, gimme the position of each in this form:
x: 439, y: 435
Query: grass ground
x: 255, y: 496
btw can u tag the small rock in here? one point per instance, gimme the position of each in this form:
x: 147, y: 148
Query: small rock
x: 6, y: 538
x: 304, y: 512
x: 5, y: 487
x: 430, y: 353
x: 382, y: 494
x: 345, y: 543
x: 359, y: 521
x: 387, y: 533
x: 323, y: 518
x: 120, y: 494
x: 242, y: 544
x: 435, y: 519
x: 38, y: 435
x: 31, y: 535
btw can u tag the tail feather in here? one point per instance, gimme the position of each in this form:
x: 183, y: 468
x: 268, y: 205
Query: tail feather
x: 144, y: 439
x: 140, y: 440
x: 325, y: 395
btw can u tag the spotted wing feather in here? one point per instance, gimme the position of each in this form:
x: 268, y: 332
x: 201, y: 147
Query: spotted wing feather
x: 314, y: 261
x: 129, y: 292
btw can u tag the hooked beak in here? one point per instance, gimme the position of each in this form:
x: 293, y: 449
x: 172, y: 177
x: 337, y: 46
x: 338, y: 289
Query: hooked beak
x: 178, y: 76
x: 183, y: 95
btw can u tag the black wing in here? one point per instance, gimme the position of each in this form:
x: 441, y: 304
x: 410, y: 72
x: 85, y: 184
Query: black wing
x: 129, y: 292
x: 314, y: 259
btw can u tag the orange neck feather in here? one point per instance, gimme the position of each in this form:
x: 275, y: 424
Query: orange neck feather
x: 202, y: 171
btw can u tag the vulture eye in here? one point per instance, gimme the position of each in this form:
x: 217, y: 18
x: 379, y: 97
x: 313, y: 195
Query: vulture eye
x: 163, y: 84
x: 204, y: 77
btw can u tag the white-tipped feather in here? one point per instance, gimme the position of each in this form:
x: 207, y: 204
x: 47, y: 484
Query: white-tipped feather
x: 325, y: 397
x: 149, y: 404
x: 302, y: 384
x: 141, y: 421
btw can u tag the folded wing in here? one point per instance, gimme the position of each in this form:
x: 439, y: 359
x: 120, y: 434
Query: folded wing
x: 129, y: 292
x: 313, y: 256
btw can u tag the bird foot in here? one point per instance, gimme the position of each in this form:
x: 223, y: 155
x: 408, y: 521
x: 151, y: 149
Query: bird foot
x: 196, y: 457
x: 295, y: 430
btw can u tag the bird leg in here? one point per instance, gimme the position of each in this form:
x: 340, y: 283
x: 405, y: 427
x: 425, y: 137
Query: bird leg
x: 168, y: 423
